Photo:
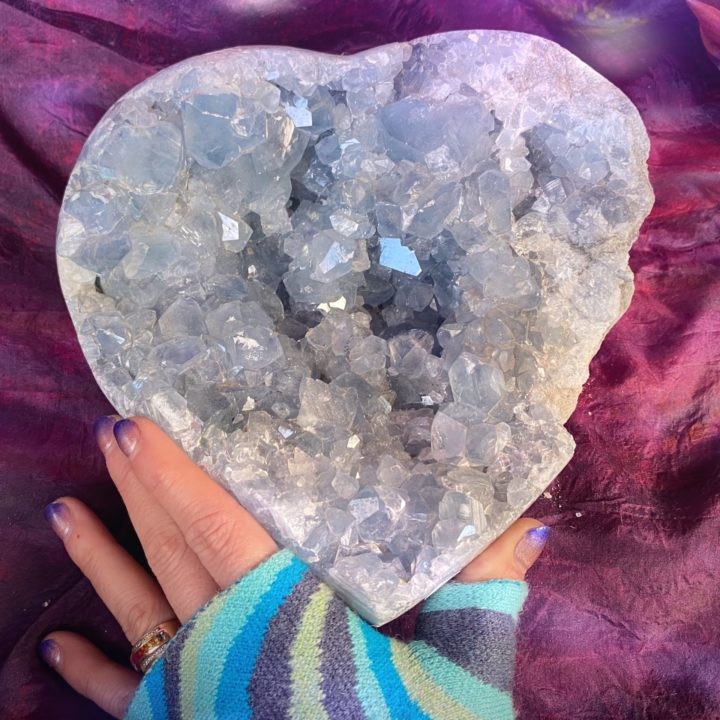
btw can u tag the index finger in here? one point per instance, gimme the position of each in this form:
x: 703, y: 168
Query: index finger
x: 226, y: 538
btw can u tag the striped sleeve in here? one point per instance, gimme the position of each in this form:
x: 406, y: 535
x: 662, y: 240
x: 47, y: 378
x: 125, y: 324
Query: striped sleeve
x: 465, y: 639
x: 279, y: 645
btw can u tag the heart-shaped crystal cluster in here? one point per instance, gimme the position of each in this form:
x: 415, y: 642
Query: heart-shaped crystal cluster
x: 361, y: 291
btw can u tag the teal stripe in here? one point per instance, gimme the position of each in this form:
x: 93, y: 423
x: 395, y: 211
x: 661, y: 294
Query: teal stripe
x: 242, y: 598
x: 140, y: 707
x: 467, y: 690
x: 155, y: 685
x: 232, y: 699
x: 393, y: 689
x: 367, y: 687
x: 505, y: 596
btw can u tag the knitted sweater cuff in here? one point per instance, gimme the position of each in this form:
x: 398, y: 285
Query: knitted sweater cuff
x: 185, y: 681
x: 502, y: 596
x: 278, y: 640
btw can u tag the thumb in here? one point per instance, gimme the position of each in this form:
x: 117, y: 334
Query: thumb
x: 510, y: 556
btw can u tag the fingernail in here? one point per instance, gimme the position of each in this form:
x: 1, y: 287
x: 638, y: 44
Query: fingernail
x: 103, y: 431
x: 127, y: 434
x: 49, y: 651
x: 528, y: 550
x: 58, y: 515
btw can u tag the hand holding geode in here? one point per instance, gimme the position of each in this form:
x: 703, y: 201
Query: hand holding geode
x: 363, y: 291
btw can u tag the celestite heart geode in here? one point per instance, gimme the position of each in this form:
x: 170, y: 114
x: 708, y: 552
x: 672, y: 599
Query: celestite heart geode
x: 362, y: 291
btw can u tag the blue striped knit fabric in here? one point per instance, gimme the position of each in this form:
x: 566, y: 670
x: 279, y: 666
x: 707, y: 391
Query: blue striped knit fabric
x: 279, y: 645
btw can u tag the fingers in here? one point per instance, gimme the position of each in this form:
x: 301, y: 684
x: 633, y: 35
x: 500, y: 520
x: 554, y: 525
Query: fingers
x: 89, y: 672
x: 130, y: 594
x: 224, y: 536
x: 510, y: 556
x: 474, y: 625
x: 186, y: 583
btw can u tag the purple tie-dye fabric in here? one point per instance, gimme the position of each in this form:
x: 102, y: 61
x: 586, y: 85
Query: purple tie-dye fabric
x: 623, y: 618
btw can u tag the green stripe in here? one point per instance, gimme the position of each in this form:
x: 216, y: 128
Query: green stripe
x: 305, y: 659
x: 505, y: 596
x: 467, y: 690
x: 190, y: 655
x: 242, y: 599
x: 367, y: 687
x: 140, y: 707
x: 431, y: 697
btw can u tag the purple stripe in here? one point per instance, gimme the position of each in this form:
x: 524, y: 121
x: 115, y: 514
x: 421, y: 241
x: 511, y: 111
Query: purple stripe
x: 172, y: 672
x: 480, y: 641
x: 337, y: 666
x: 270, y: 690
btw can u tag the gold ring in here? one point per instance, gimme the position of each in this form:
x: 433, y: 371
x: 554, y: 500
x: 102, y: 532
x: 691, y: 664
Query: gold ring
x: 152, y: 644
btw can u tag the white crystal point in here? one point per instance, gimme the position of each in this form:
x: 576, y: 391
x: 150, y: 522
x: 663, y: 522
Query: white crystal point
x: 361, y: 291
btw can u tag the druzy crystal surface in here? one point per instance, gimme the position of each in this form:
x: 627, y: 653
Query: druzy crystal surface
x: 363, y: 291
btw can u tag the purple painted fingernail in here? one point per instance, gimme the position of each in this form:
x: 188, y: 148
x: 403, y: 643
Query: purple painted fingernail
x: 103, y: 430
x: 58, y: 515
x: 127, y: 434
x: 531, y: 545
x: 49, y: 651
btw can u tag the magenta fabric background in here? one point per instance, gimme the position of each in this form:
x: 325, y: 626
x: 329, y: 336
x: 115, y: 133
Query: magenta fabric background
x: 624, y: 615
